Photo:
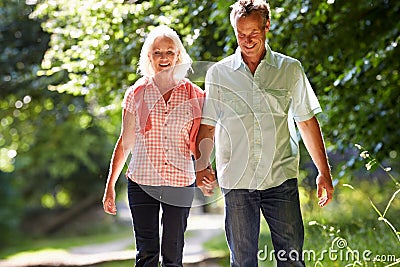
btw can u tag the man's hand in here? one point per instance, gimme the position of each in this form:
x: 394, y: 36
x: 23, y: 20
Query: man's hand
x: 324, y: 189
x: 208, y: 188
x: 206, y: 181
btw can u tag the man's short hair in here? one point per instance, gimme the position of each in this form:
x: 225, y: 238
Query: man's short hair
x: 243, y: 8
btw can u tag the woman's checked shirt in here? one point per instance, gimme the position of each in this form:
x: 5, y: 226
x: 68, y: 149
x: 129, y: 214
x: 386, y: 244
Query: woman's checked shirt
x: 161, y: 154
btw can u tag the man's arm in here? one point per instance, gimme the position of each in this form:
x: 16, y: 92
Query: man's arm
x: 204, y: 147
x: 311, y: 133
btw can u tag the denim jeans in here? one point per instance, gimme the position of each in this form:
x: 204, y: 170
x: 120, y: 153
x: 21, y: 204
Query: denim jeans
x: 145, y: 203
x: 280, y: 207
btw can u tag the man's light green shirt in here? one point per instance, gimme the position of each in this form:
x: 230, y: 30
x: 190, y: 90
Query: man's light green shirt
x: 256, y: 144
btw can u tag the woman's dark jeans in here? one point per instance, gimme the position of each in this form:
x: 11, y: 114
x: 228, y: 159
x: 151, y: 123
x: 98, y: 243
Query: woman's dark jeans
x: 145, y: 203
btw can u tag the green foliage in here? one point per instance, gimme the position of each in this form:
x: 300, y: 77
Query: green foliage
x: 56, y: 143
x: 380, y: 237
x: 19, y: 89
x: 17, y: 73
x: 349, y: 51
x: 50, y: 145
x: 98, y: 45
x: 383, y: 215
x: 9, y: 216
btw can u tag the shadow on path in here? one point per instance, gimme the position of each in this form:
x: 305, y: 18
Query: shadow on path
x: 201, y: 228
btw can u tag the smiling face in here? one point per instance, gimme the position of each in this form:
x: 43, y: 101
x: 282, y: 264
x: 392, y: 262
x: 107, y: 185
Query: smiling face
x: 163, y: 54
x: 251, y: 36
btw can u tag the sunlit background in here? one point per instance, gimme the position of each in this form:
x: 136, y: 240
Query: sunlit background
x: 65, y: 66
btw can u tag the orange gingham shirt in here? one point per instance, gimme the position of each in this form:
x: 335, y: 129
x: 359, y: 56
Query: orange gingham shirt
x: 161, y: 156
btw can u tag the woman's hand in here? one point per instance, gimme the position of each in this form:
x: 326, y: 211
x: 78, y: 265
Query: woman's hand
x: 109, y: 201
x: 206, y: 181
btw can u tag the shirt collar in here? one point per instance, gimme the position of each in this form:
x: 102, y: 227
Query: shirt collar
x: 269, y: 58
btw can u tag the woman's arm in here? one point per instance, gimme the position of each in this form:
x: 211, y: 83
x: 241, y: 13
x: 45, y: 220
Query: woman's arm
x: 122, y: 149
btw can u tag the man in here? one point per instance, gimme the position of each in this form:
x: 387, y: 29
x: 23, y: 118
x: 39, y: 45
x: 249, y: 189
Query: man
x: 253, y: 100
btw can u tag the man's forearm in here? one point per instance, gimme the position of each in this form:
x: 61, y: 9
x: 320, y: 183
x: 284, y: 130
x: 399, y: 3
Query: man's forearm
x: 204, y: 146
x: 312, y: 139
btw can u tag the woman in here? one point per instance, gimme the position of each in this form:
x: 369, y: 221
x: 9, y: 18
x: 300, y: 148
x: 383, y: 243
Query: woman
x: 161, y: 117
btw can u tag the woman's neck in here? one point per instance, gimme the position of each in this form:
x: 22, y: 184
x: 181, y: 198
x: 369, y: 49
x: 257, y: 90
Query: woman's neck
x: 165, y: 83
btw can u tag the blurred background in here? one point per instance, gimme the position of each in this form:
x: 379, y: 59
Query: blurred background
x: 64, y: 68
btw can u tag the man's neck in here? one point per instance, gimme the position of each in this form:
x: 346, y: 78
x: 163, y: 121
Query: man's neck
x: 253, y: 63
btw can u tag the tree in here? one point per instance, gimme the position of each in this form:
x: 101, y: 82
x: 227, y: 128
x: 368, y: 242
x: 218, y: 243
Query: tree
x: 19, y: 36
x: 52, y: 152
x: 349, y: 51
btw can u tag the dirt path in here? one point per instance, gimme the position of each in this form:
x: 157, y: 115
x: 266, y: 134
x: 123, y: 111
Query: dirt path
x: 201, y: 228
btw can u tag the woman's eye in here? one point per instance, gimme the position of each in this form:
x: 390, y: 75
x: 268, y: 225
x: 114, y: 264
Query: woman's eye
x: 170, y: 53
x: 157, y: 53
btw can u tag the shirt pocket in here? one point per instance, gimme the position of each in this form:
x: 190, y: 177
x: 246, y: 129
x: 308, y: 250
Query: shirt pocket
x: 236, y: 102
x: 277, y: 100
x: 181, y: 117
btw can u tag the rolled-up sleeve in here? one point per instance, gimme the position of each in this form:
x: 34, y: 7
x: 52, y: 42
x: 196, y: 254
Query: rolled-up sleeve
x: 305, y: 104
x: 128, y: 103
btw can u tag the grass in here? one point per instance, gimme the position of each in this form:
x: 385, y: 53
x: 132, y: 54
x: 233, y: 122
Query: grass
x: 351, y: 226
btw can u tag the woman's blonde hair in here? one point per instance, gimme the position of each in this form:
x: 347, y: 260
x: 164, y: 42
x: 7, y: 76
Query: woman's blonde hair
x: 144, y: 67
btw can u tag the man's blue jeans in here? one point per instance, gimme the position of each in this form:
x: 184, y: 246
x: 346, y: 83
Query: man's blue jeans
x: 145, y: 203
x: 280, y: 207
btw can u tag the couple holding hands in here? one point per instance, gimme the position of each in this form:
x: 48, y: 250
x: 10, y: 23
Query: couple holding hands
x: 249, y: 110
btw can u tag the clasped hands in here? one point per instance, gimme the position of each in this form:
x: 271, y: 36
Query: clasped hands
x: 206, y: 181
